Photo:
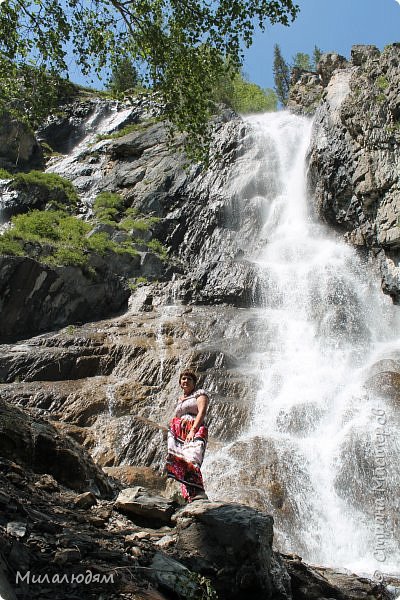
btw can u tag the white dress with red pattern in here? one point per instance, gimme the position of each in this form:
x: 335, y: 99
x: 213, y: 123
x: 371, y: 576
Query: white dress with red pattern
x: 185, y: 458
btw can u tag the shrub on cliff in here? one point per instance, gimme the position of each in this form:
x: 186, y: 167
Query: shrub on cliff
x: 57, y: 238
x: 54, y: 188
x: 108, y: 207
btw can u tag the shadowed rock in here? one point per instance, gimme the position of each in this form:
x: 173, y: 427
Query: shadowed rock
x: 35, y: 298
x: 39, y: 446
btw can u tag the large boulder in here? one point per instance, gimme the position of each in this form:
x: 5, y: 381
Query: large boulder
x: 232, y: 545
x: 137, y: 503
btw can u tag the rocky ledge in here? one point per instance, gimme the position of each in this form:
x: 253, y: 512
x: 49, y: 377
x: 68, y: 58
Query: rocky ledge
x: 60, y: 542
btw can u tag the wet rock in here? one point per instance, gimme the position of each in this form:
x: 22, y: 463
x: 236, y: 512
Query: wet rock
x: 384, y: 379
x: 137, y: 503
x: 318, y: 582
x: 191, y: 202
x: 151, y: 265
x: 137, y: 476
x: 16, y: 529
x: 74, y: 121
x: 266, y: 476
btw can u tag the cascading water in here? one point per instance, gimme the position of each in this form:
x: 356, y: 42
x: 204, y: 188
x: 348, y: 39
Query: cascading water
x: 105, y: 119
x: 321, y: 453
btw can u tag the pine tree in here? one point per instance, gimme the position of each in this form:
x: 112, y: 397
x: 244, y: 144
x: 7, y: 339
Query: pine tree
x: 317, y: 53
x: 281, y: 73
x: 124, y: 76
x: 302, y: 61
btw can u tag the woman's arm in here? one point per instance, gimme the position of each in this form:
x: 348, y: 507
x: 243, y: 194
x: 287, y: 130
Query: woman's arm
x: 202, y: 403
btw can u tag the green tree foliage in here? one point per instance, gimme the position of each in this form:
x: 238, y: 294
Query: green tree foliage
x: 317, y: 53
x: 180, y: 45
x: 301, y: 60
x: 124, y: 76
x: 281, y: 73
x: 243, y: 96
x: 249, y: 97
x: 30, y: 92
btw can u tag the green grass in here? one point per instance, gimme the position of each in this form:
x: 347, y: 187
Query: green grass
x: 157, y: 247
x: 108, y: 208
x: 64, y: 236
x: 10, y: 246
x: 128, y: 129
x: 51, y: 181
x: 382, y: 82
x: 128, y: 224
x: 4, y: 174
x: 134, y: 283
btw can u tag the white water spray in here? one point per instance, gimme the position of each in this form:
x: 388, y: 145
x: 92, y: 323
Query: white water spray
x: 321, y: 453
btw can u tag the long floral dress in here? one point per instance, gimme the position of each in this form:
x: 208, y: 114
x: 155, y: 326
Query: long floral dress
x: 185, y: 458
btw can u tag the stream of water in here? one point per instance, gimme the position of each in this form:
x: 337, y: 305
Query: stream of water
x: 322, y: 446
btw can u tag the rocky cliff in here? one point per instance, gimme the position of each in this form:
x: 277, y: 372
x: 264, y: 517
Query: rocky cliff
x: 354, y: 158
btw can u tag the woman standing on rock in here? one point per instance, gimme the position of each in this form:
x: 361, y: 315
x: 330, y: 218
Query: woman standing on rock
x: 187, y: 438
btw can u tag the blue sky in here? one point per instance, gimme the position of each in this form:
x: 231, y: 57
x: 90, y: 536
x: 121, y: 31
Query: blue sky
x: 332, y: 25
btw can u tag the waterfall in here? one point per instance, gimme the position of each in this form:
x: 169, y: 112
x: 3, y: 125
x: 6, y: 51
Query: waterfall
x: 87, y: 176
x: 321, y: 451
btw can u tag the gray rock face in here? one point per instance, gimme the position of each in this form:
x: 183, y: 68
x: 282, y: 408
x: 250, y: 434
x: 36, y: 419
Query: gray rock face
x: 192, y: 203
x: 73, y: 122
x: 17, y: 199
x: 306, y: 94
x: 354, y: 171
x: 36, y: 298
x: 307, y: 89
x: 114, y: 384
x: 19, y: 148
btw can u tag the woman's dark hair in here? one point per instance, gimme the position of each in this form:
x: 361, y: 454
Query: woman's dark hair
x: 188, y: 373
